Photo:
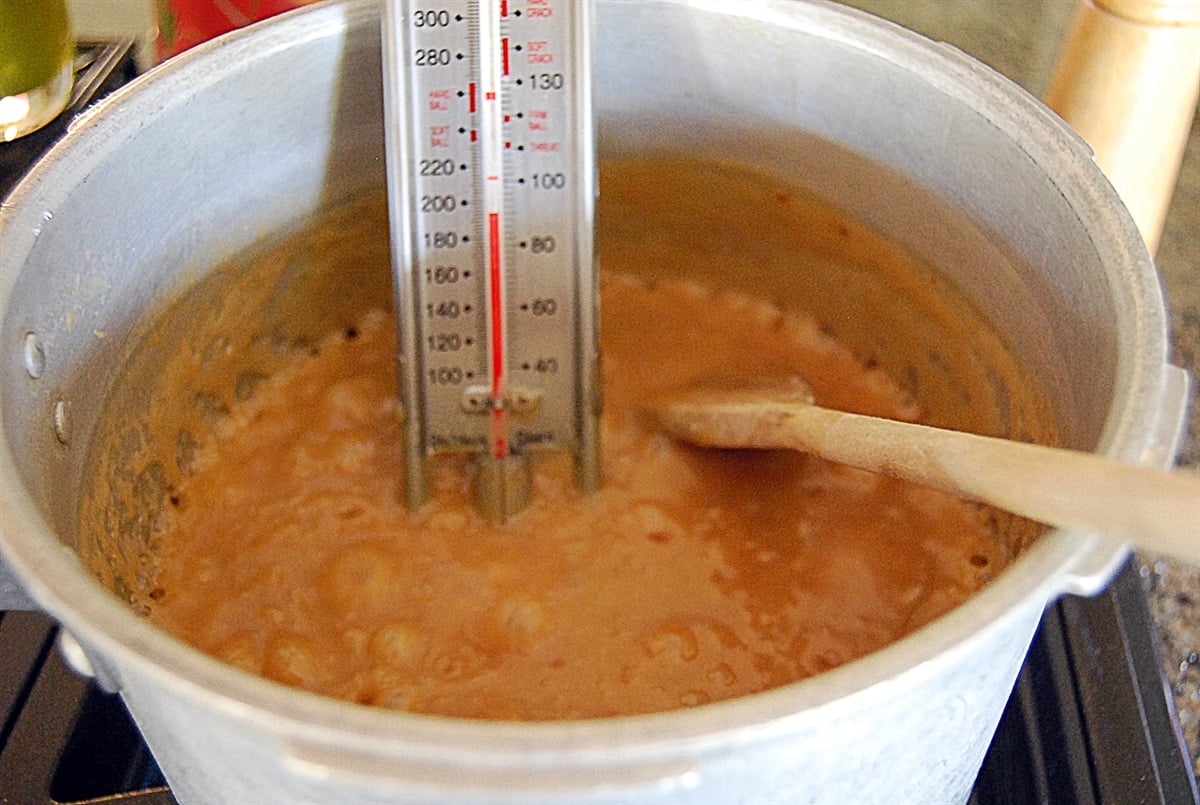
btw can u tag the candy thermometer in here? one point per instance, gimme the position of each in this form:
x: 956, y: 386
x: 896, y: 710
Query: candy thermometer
x: 491, y: 187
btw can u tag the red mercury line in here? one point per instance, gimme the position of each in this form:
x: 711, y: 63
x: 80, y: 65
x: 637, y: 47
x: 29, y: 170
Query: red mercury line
x: 493, y: 57
x: 496, y: 301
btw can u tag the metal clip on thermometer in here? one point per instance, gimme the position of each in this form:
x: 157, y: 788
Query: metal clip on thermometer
x: 491, y: 186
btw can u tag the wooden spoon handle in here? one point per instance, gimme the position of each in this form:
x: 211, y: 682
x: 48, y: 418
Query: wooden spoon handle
x: 1150, y: 508
x: 1127, y: 80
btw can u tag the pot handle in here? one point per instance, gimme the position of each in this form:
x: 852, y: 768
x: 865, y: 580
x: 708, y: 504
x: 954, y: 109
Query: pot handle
x: 1096, y: 563
x: 87, y: 662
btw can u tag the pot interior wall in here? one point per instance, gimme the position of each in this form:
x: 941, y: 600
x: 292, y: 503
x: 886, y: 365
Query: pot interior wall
x: 737, y: 228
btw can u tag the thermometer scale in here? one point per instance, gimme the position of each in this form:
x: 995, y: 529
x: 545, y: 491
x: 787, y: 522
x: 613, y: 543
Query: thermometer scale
x: 491, y: 187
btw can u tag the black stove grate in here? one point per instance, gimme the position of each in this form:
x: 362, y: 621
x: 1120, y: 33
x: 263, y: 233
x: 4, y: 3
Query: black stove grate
x: 1091, y: 720
x: 63, y: 740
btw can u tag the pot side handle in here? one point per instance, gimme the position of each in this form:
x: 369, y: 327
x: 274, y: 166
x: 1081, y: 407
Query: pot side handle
x: 1099, y: 560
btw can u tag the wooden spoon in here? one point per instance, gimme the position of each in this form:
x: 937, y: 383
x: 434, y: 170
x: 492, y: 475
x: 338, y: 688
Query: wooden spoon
x: 1152, y: 509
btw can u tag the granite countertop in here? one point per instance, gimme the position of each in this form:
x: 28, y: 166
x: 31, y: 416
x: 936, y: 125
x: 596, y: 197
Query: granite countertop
x: 1024, y: 47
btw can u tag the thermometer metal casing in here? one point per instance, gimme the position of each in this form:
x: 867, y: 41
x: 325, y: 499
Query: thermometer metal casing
x: 491, y: 185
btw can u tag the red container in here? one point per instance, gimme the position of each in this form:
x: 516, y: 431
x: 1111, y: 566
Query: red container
x: 184, y: 23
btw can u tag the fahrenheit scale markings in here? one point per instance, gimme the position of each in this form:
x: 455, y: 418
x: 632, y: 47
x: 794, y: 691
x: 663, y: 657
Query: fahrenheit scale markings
x: 491, y: 186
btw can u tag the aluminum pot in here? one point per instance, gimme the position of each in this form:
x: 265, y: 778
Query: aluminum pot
x: 238, y: 139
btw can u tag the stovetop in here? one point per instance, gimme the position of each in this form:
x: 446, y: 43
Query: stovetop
x: 1089, y: 721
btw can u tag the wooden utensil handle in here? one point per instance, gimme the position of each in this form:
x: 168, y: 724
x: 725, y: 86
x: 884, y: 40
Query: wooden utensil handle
x: 1155, y: 510
x: 1152, y: 509
x: 1127, y: 80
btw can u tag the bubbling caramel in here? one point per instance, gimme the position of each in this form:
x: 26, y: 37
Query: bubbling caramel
x: 692, y: 575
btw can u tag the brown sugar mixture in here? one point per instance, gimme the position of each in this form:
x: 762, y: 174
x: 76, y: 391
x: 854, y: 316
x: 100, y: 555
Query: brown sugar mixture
x: 692, y: 576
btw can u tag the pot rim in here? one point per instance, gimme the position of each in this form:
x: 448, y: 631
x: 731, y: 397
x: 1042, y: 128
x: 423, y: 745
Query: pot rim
x: 1059, y: 561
